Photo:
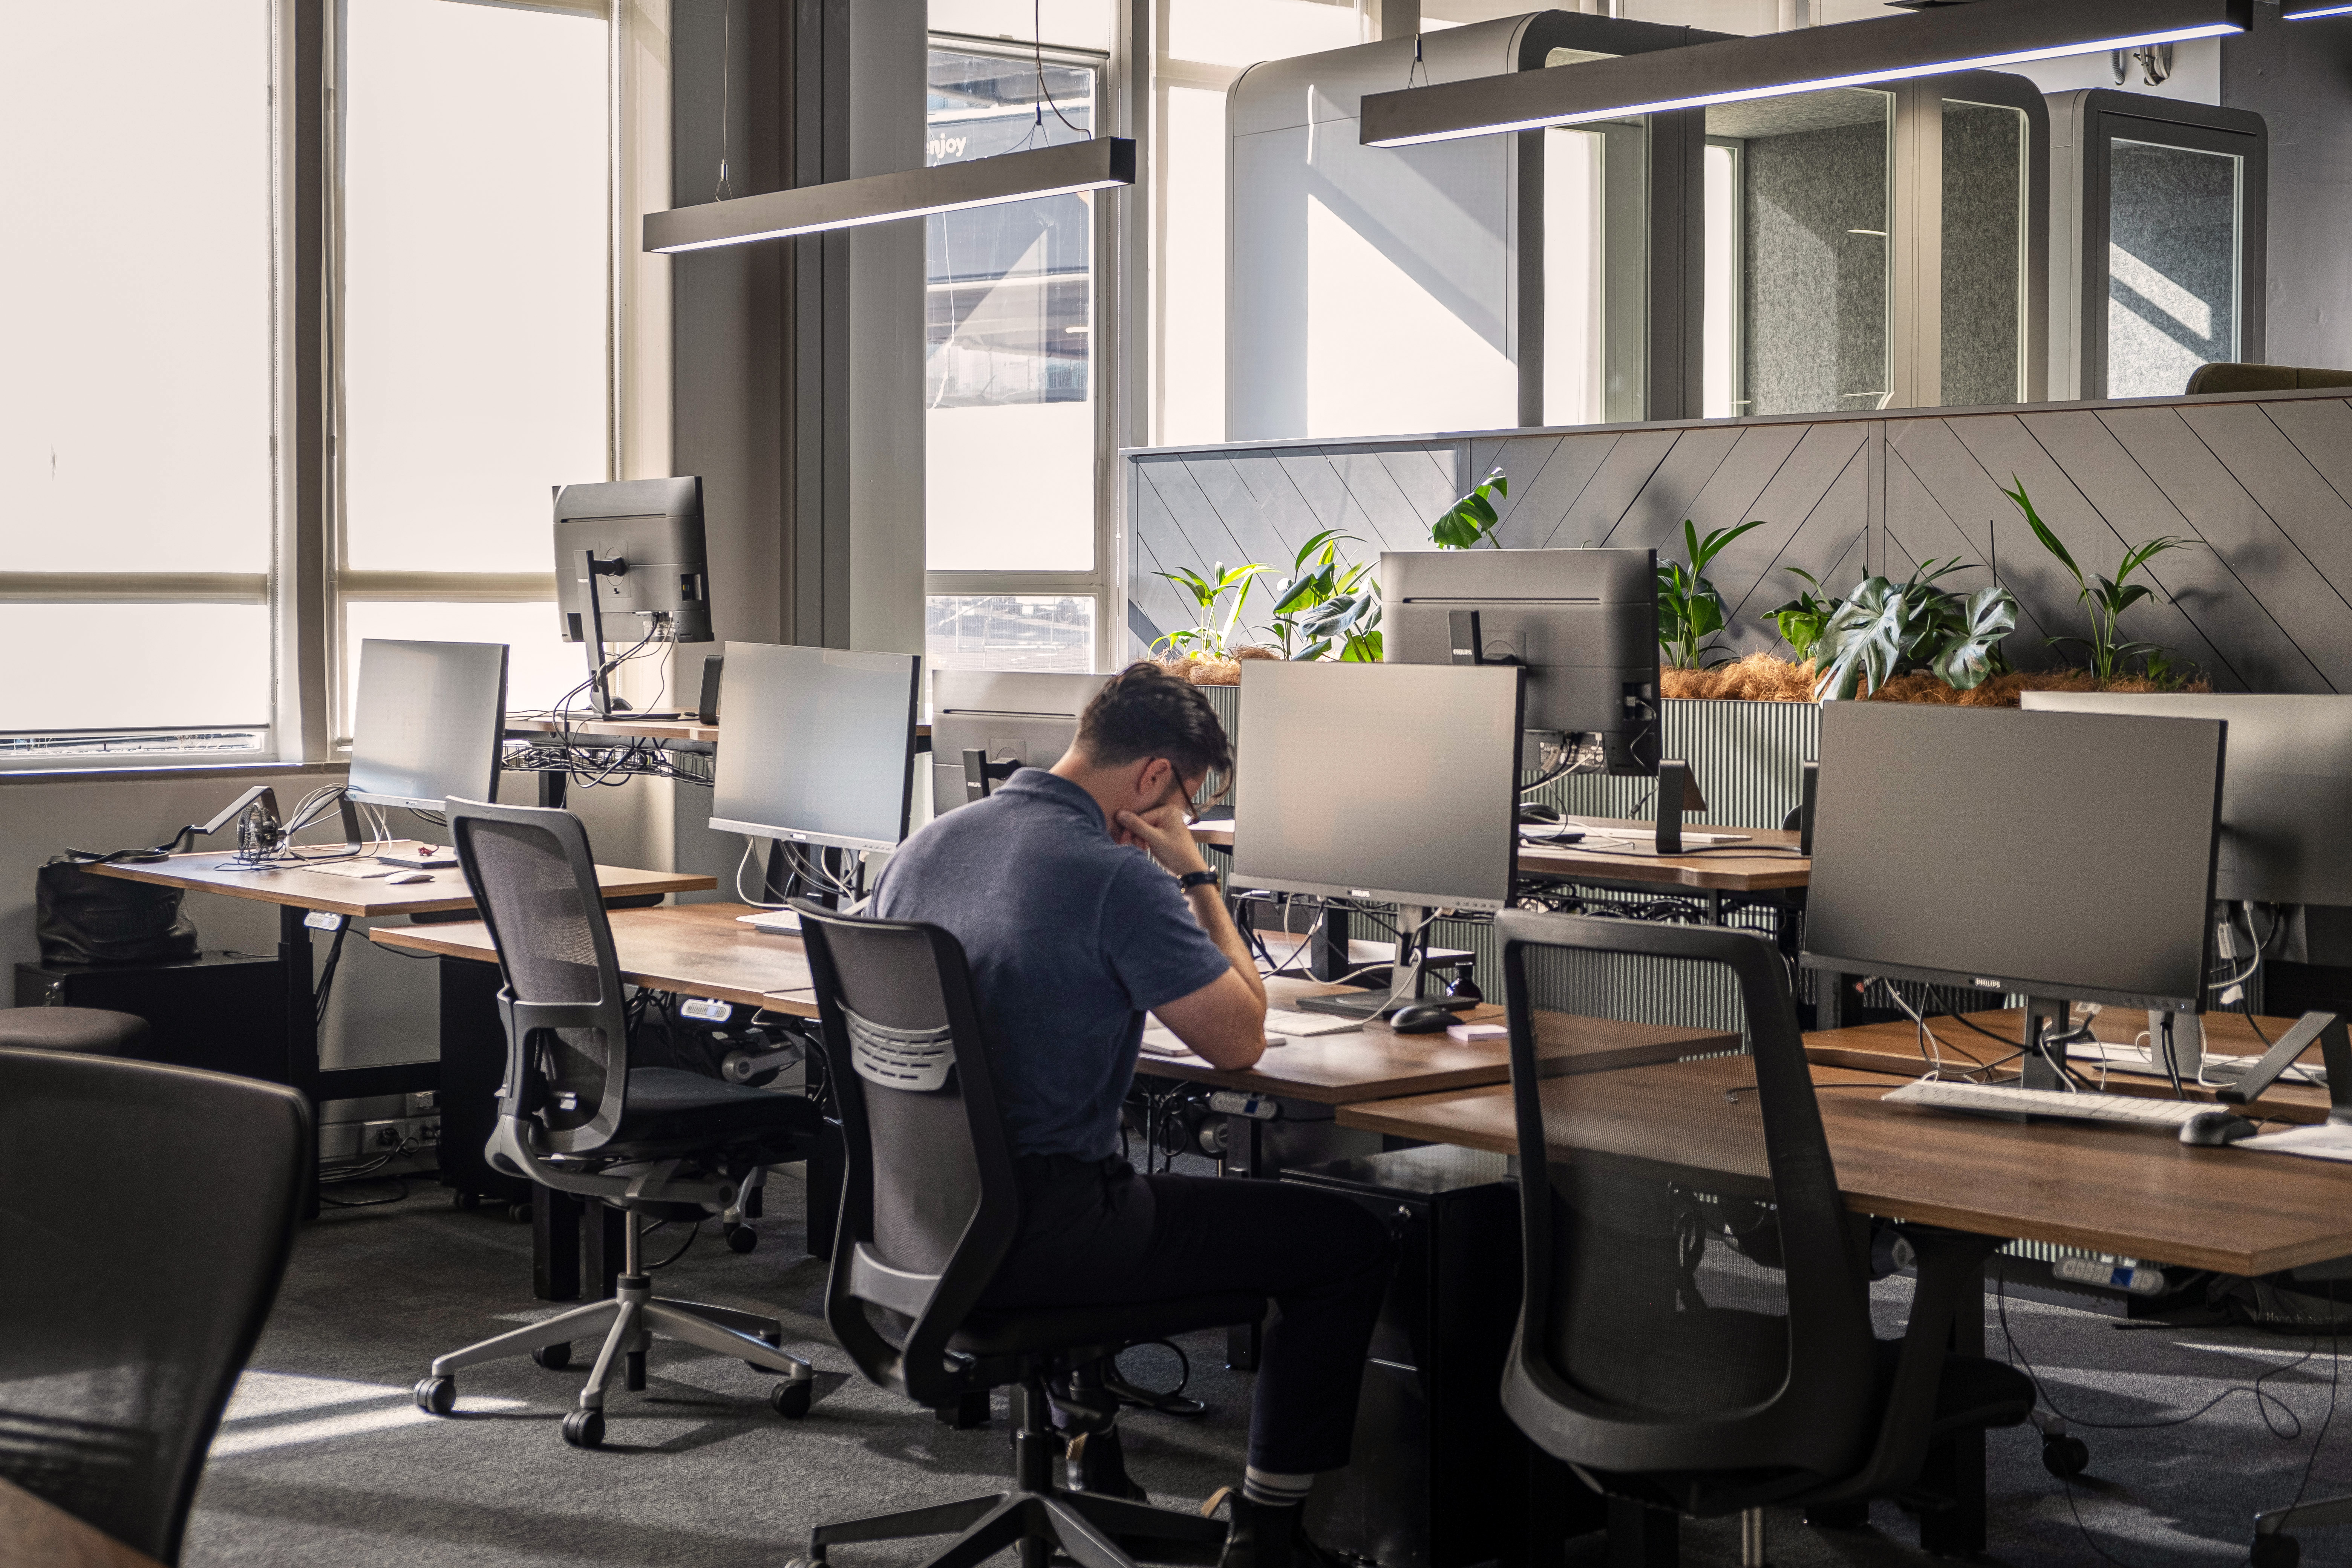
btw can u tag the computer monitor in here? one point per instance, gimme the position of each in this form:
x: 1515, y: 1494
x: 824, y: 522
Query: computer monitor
x: 1014, y: 718
x: 2064, y: 856
x: 2286, y: 794
x: 426, y: 722
x: 1394, y: 783
x: 1583, y: 622
x: 645, y: 539
x: 817, y: 745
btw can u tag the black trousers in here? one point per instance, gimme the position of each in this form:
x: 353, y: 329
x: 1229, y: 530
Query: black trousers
x: 1096, y: 1233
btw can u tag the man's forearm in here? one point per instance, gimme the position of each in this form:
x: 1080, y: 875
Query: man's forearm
x: 1209, y: 908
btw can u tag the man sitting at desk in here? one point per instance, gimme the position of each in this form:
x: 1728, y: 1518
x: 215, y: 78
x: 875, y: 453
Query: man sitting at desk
x: 1072, y: 934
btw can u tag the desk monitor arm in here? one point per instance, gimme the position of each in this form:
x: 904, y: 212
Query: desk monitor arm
x: 599, y: 686
x: 981, y: 776
x: 2336, y: 1053
x: 1677, y: 793
x: 260, y: 795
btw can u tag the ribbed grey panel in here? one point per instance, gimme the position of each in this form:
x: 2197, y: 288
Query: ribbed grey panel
x: 1747, y: 758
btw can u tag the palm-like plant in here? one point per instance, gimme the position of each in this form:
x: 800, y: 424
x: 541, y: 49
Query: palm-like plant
x: 1690, y: 609
x: 2107, y: 598
x: 1212, y: 637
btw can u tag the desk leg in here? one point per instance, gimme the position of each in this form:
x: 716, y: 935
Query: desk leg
x: 1559, y: 1509
x: 555, y: 1245
x: 552, y: 788
x: 827, y: 1167
x: 1955, y: 1465
x: 605, y: 1243
x: 1245, y: 1160
x: 301, y: 1023
x: 1714, y: 905
x: 1643, y: 1536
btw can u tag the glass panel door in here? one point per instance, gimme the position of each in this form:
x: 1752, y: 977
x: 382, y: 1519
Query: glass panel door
x: 1596, y: 223
x: 1805, y: 202
x: 2174, y: 249
x: 1983, y: 332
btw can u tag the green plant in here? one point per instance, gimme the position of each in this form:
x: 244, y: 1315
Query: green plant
x: 1473, y: 518
x: 1803, y: 618
x: 1690, y: 610
x: 1884, y: 629
x: 2107, y: 598
x: 1210, y: 639
x: 1326, y: 602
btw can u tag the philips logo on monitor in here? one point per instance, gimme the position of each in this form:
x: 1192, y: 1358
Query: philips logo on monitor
x: 1983, y: 983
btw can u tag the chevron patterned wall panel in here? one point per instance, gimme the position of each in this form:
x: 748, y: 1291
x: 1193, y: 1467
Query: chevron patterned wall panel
x: 2262, y: 482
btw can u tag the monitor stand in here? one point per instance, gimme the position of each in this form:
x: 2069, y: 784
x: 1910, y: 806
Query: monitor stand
x: 1403, y: 987
x: 2334, y: 1054
x: 2048, y: 1023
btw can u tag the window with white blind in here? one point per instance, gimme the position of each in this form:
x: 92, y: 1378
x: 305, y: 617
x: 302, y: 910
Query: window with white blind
x: 473, y: 320
x: 140, y: 409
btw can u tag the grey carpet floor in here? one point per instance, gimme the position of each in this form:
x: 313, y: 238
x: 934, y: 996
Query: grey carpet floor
x: 323, y: 1458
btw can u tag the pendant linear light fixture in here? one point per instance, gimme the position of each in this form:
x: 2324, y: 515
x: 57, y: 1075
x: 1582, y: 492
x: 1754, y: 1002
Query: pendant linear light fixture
x: 2318, y: 11
x: 1978, y: 35
x: 1093, y: 166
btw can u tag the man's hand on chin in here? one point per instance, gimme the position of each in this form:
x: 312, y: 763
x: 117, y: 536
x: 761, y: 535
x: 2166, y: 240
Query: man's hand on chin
x: 1165, y: 834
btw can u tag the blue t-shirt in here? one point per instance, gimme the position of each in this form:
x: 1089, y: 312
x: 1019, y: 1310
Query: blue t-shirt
x: 1072, y: 938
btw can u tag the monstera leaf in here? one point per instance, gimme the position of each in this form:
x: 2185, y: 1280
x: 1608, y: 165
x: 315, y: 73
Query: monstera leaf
x: 1968, y: 658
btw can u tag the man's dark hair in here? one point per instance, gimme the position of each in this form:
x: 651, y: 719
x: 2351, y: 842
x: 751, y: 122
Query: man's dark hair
x: 1143, y: 713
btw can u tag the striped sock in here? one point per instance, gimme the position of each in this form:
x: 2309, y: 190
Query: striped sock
x: 1272, y: 1489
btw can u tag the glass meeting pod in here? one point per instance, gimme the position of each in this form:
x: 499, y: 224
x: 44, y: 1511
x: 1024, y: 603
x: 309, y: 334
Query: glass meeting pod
x: 1869, y: 248
x: 2157, y: 215
x: 1534, y: 278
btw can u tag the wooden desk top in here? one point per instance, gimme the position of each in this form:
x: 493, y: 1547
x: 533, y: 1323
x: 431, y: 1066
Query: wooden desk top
x: 337, y: 892
x: 694, y: 950
x: 39, y: 1534
x: 1724, y: 871
x: 1376, y: 1063
x: 702, y: 950
x: 2108, y: 1189
x: 1894, y: 1047
x: 631, y: 729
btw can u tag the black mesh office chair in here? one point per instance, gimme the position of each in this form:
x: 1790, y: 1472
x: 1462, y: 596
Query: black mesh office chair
x: 574, y: 1116
x: 929, y: 1212
x: 1697, y: 1334
x: 108, y: 1400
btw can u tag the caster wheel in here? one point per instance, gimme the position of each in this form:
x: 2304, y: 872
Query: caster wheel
x: 791, y: 1400
x: 554, y: 1358
x: 2065, y: 1458
x: 436, y: 1395
x: 741, y: 1238
x: 584, y: 1429
x: 2275, y: 1552
x: 519, y: 1213
x: 464, y: 1200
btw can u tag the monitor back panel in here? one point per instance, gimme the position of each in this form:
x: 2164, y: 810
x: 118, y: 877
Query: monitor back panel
x: 2060, y: 855
x: 1015, y: 716
x: 426, y: 721
x: 1584, y: 622
x: 816, y: 744
x: 654, y: 525
x: 1391, y: 782
x: 2286, y: 796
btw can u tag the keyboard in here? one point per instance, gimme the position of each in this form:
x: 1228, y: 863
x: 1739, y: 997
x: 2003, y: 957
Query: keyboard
x: 1307, y: 1025
x: 1991, y: 1099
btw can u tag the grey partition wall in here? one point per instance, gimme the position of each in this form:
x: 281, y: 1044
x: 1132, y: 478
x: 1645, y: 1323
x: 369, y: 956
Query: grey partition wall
x: 1372, y: 288
x: 2159, y: 210
x: 2262, y: 482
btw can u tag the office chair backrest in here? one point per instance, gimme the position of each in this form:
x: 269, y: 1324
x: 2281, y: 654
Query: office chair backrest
x: 930, y: 1207
x: 134, y: 1301
x: 1696, y: 1296
x: 532, y: 877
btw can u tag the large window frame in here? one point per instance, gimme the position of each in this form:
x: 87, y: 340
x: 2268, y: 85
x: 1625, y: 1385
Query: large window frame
x: 1105, y: 377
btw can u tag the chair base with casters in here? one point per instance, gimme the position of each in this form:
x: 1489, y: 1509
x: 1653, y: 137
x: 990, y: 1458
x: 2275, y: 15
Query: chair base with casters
x: 627, y: 1324
x: 1042, y: 1513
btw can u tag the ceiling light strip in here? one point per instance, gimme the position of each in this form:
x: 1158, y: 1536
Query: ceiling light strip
x: 1979, y: 37
x: 1093, y: 166
x: 2319, y: 11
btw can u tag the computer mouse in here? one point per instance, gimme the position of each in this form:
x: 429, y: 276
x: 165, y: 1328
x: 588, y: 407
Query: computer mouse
x: 2211, y: 1128
x: 1424, y: 1019
x: 402, y: 878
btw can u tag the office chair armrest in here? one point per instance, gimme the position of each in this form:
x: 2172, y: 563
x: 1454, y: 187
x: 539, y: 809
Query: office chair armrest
x: 509, y: 1151
x: 1951, y: 1266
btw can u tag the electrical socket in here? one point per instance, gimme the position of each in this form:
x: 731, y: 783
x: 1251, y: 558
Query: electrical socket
x: 428, y: 1134
x: 423, y: 1101
x: 379, y: 1135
